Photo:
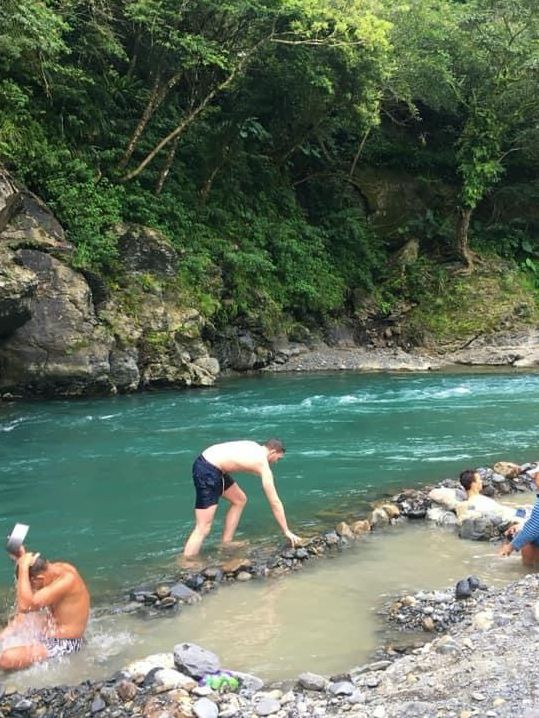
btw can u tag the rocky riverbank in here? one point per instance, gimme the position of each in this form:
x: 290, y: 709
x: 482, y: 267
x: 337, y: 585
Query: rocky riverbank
x: 67, y: 331
x: 519, y: 349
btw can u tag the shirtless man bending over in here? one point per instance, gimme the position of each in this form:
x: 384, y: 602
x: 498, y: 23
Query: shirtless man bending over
x: 211, y: 476
x: 53, y: 599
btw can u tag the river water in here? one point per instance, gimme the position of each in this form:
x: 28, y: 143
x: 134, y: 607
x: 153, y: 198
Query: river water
x: 105, y: 484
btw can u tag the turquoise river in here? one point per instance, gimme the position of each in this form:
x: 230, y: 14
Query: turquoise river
x: 106, y: 483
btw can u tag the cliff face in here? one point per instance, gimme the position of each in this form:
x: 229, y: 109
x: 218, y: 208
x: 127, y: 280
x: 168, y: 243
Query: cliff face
x: 63, y: 332
x: 70, y: 332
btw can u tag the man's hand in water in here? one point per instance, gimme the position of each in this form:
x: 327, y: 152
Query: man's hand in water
x: 294, y: 540
x: 506, y: 550
x: 512, y: 530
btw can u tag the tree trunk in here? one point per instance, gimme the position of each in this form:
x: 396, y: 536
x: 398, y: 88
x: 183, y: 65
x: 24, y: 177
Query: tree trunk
x: 166, y: 167
x: 193, y: 114
x: 159, y: 92
x: 359, y: 151
x: 461, y: 235
x: 206, y: 187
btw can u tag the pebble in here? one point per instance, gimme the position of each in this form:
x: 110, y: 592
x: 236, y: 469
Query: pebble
x: 266, y: 706
x: 24, y: 705
x: 312, y: 681
x: 98, y: 704
x: 343, y: 688
x: 204, y: 708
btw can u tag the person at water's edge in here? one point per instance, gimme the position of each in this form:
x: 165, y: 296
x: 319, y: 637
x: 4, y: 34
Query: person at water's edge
x: 53, y: 606
x: 211, y: 476
x: 526, y: 540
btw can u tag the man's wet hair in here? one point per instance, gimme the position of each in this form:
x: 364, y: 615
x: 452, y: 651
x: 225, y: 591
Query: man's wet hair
x: 275, y: 445
x: 467, y: 478
x: 39, y: 566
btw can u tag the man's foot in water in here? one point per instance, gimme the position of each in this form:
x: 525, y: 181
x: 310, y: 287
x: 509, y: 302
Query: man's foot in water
x: 234, y: 545
x: 192, y: 563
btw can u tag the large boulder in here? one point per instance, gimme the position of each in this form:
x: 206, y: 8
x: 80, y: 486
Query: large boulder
x: 70, y: 332
x: 61, y: 348
x: 519, y: 348
x: 194, y: 660
x: 240, y: 349
x: 480, y: 528
x: 146, y: 250
x: 66, y: 332
x: 25, y: 221
x: 394, y: 198
x: 157, y: 342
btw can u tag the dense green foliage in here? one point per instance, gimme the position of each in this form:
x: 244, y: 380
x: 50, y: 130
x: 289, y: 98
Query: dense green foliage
x: 240, y: 128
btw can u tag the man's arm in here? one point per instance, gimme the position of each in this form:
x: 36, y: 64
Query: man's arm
x: 27, y: 599
x: 275, y: 503
x: 530, y: 530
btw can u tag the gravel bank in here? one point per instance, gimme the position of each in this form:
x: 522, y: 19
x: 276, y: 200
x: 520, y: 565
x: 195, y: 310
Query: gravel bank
x: 326, y: 358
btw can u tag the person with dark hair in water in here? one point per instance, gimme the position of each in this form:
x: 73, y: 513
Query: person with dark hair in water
x: 53, y: 605
x: 211, y: 476
x: 476, y: 501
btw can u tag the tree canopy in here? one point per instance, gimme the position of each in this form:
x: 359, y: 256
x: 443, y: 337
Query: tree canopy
x: 241, y: 128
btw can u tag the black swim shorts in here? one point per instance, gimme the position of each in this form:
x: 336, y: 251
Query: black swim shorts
x: 210, y: 483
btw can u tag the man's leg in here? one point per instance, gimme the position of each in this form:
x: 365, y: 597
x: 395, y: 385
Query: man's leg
x: 16, y: 623
x: 25, y: 626
x: 203, y: 522
x: 530, y: 554
x: 18, y: 657
x: 237, y: 500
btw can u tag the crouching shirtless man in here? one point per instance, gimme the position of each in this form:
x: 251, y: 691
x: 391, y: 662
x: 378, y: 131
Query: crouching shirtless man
x: 211, y: 476
x: 53, y: 605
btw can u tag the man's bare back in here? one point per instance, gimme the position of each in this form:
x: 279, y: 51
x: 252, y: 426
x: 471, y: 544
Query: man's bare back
x: 231, y: 456
x: 70, y: 613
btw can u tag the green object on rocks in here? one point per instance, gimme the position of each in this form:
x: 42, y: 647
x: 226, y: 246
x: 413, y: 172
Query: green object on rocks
x: 222, y: 682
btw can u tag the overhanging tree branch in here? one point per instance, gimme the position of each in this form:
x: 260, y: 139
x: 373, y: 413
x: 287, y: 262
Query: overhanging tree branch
x: 158, y: 94
x: 193, y: 114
